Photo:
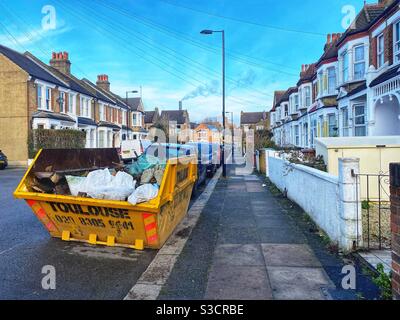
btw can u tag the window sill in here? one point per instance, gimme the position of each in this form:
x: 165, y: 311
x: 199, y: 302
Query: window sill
x: 352, y: 81
x: 44, y: 109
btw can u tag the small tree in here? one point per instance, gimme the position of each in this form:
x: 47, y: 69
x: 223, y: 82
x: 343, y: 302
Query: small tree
x: 263, y: 139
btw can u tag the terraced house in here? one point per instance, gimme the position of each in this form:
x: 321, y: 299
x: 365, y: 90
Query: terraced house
x: 36, y: 95
x: 352, y: 90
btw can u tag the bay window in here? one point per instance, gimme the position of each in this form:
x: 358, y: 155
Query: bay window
x: 85, y: 107
x: 345, y: 121
x: 345, y: 66
x: 320, y: 83
x: 332, y: 125
x: 359, y: 62
x: 71, y: 103
x: 305, y: 135
x: 331, y: 80
x: 396, y: 44
x: 301, y: 97
x: 296, y: 102
x: 360, y: 128
x: 321, y: 126
x: 307, y: 93
x: 135, y: 119
x: 313, y: 128
x: 101, y: 112
x: 102, y: 143
x: 297, y: 136
x: 61, y: 101
x: 291, y: 104
x: 380, y: 51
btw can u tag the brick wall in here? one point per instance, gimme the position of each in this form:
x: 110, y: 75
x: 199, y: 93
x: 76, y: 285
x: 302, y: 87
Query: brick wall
x: 32, y: 100
x: 78, y: 105
x: 14, y: 119
x: 94, y: 109
x: 96, y: 113
x: 395, y: 224
x: 372, y: 52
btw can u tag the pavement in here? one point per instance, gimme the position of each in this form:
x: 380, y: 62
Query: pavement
x: 247, y: 245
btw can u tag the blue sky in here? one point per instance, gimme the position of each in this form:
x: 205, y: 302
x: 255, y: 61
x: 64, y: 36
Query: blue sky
x: 156, y: 45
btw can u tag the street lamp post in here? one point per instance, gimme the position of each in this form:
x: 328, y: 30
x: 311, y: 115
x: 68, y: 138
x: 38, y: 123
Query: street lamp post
x: 127, y: 111
x: 231, y: 112
x: 208, y: 32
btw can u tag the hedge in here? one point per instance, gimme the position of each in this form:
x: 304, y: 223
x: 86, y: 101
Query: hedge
x: 55, y: 139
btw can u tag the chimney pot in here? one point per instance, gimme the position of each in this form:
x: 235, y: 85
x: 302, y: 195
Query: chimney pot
x: 59, y: 61
x: 328, y: 39
x: 102, y: 82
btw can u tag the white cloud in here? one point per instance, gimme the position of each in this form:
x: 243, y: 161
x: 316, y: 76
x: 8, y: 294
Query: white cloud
x: 30, y: 37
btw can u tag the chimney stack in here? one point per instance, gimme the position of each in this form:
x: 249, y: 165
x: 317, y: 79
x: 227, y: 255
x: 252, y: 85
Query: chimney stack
x: 180, y: 105
x: 102, y: 82
x: 328, y: 39
x: 60, y: 61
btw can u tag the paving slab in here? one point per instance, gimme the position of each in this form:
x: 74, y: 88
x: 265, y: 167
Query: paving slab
x: 238, y: 211
x: 238, y: 235
x: 281, y: 235
x: 289, y: 255
x: 292, y: 283
x: 255, y: 188
x: 237, y: 221
x: 239, y: 255
x: 238, y: 283
x: 273, y: 221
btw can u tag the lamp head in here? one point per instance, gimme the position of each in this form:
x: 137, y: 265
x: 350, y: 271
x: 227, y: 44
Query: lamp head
x: 206, y: 32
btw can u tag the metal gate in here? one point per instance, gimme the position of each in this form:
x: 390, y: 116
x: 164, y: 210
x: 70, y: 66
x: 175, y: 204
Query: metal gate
x: 373, y: 190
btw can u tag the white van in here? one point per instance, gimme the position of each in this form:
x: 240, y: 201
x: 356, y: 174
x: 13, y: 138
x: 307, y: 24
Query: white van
x: 131, y: 149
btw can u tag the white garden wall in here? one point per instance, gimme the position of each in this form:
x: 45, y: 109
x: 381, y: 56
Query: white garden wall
x: 319, y: 194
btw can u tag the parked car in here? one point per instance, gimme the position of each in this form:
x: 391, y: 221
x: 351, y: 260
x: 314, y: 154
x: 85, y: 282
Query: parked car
x: 3, y: 161
x: 208, y: 155
x: 131, y: 149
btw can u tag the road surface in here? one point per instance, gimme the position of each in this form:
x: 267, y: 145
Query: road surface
x: 82, y: 271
